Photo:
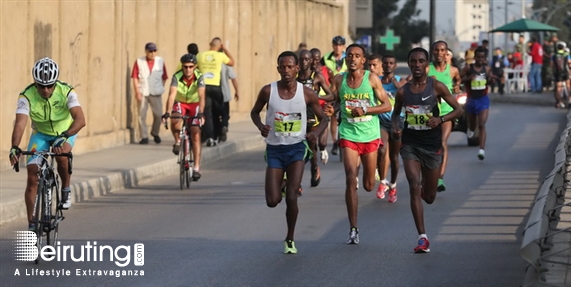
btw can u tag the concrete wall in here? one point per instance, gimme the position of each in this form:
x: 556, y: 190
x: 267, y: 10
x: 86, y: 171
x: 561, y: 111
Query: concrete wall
x: 96, y: 43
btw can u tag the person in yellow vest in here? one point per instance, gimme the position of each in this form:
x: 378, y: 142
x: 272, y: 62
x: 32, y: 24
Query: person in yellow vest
x: 335, y: 61
x: 149, y: 76
x: 56, y: 117
x: 187, y: 91
x: 210, y: 64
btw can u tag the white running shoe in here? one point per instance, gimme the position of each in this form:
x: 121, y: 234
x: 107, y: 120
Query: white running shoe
x: 324, y: 157
x: 377, y: 176
x: 470, y: 133
x: 357, y: 188
x: 481, y: 154
x: 66, y: 199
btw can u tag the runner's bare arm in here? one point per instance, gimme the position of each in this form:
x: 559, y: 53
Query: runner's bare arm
x: 443, y: 92
x: 321, y: 83
x: 456, y: 80
x: 312, y: 101
x: 381, y: 95
x: 261, y: 101
x: 335, y: 84
x: 395, y: 118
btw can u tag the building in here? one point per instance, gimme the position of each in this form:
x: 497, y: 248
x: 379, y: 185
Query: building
x: 472, y: 18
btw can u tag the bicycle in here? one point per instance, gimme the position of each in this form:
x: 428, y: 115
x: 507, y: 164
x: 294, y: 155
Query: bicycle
x: 185, y: 155
x: 47, y: 216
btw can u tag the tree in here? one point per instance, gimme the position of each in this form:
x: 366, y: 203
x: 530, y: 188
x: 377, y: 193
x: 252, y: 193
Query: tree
x: 560, y: 18
x: 403, y: 23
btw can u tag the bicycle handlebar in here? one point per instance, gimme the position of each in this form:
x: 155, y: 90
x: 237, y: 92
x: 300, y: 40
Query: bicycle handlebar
x: 181, y: 117
x: 44, y: 154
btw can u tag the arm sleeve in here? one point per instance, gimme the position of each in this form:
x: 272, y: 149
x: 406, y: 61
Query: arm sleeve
x: 135, y: 73
x: 201, y: 82
x: 231, y: 73
x: 174, y: 82
x: 72, y: 100
x: 23, y: 106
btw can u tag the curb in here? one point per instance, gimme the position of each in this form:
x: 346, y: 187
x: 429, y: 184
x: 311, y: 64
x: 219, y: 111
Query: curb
x: 536, y: 100
x: 128, y: 178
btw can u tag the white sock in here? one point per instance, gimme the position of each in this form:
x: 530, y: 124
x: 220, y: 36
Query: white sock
x: 422, y: 236
x: 481, y: 151
x: 385, y: 182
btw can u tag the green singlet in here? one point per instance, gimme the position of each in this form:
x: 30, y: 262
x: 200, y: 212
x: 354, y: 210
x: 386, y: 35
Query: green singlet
x: 446, y: 79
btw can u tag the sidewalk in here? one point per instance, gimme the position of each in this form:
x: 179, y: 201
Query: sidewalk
x: 105, y: 171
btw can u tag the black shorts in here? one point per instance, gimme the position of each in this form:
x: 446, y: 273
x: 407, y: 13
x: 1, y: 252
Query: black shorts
x: 558, y: 77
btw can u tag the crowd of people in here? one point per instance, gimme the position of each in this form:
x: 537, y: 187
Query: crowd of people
x: 374, y: 115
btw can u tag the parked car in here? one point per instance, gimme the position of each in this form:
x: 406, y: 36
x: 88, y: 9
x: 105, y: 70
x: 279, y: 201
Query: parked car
x: 461, y: 124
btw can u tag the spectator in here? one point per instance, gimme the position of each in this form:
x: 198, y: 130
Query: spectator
x: 469, y: 55
x: 192, y: 48
x: 302, y: 46
x: 520, y: 46
x: 149, y: 76
x: 499, y: 62
x: 227, y: 74
x: 484, y: 46
x: 210, y: 64
x: 536, y: 53
x: 546, y: 70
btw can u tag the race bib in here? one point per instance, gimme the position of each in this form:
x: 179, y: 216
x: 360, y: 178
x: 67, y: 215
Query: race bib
x: 208, y: 75
x: 350, y: 105
x: 287, y: 125
x: 417, y: 117
x: 479, y: 83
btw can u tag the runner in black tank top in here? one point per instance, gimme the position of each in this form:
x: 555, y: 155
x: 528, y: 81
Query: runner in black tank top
x: 421, y: 149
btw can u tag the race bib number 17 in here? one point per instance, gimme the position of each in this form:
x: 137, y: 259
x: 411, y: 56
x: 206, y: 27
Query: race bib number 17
x: 287, y: 125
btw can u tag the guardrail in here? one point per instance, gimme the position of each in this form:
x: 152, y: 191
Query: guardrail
x: 537, y: 246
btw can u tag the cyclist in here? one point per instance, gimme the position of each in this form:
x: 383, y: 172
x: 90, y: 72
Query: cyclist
x: 187, y: 91
x: 57, y: 117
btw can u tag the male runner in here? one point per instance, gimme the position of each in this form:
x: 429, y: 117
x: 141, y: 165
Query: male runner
x: 285, y: 131
x: 476, y: 78
x: 358, y: 92
x: 335, y: 61
x: 421, y: 149
x: 315, y: 81
x: 450, y: 77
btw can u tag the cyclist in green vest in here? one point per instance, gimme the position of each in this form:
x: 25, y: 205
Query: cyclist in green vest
x: 359, y: 93
x: 57, y: 117
x: 187, y: 91
x: 450, y: 77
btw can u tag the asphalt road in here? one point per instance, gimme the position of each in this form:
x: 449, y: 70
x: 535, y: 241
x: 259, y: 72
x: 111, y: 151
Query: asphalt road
x: 220, y: 233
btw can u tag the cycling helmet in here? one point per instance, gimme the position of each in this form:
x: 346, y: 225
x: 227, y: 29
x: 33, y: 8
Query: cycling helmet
x: 188, y: 58
x: 338, y: 40
x: 45, y: 72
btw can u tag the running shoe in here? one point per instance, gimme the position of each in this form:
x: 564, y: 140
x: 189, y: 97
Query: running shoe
x: 324, y: 157
x: 223, y: 135
x: 32, y: 227
x: 299, y: 191
x: 176, y: 148
x: 392, y: 193
x: 335, y: 149
x: 423, y: 245
x: 315, y: 177
x: 357, y: 187
x: 353, y: 236
x: 382, y: 189
x: 210, y: 142
x: 481, y: 154
x: 441, y: 187
x: 377, y: 176
x: 289, y: 247
x: 469, y: 133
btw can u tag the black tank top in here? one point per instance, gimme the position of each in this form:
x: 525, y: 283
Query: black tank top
x: 308, y: 82
x: 478, y: 87
x: 418, y: 109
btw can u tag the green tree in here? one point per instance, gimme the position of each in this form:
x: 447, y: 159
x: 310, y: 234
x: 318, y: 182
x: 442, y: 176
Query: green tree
x: 403, y: 23
x: 560, y: 11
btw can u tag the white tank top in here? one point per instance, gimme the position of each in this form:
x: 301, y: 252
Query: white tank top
x: 287, y: 118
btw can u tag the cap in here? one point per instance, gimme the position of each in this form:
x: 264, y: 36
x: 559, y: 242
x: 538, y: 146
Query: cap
x: 474, y: 45
x: 150, y: 46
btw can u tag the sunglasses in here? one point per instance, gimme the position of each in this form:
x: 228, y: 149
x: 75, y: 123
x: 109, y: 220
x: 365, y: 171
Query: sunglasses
x: 42, y: 87
x: 188, y: 67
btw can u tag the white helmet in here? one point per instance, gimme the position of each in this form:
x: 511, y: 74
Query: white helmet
x: 45, y: 71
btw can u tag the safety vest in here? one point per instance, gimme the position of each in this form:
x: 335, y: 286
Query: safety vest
x: 49, y: 116
x: 151, y: 81
x: 184, y: 93
x: 332, y: 65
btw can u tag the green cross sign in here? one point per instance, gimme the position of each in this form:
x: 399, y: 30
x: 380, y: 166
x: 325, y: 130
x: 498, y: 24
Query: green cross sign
x: 390, y: 40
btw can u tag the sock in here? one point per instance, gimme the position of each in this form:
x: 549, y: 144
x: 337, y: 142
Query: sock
x: 393, y: 185
x: 65, y: 189
x: 422, y: 236
x: 385, y: 182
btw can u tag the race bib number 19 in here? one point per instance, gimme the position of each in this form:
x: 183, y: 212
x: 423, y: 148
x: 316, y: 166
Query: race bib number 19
x: 287, y: 125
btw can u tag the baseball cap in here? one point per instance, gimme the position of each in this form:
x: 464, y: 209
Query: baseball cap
x: 150, y: 46
x: 474, y: 45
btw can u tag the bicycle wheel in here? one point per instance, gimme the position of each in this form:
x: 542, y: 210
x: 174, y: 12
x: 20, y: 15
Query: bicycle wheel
x: 38, y: 218
x: 189, y: 171
x: 182, y: 161
x: 56, y: 215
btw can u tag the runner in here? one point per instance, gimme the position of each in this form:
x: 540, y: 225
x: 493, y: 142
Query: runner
x: 335, y: 61
x: 286, y: 101
x: 358, y: 92
x: 323, y: 100
x: 476, y: 78
x: 421, y: 149
x: 316, y: 82
x: 391, y: 83
x: 450, y: 77
x: 561, y: 61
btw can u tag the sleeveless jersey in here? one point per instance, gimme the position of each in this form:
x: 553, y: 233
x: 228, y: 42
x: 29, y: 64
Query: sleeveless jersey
x: 446, y: 79
x: 358, y: 129
x: 477, y: 87
x: 418, y: 109
x: 309, y: 82
x: 391, y: 92
x: 286, y: 117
